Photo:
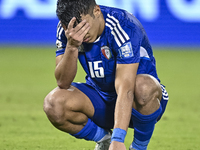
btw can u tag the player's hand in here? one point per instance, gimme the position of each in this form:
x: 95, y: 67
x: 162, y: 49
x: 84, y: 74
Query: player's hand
x: 117, y: 146
x: 76, y: 35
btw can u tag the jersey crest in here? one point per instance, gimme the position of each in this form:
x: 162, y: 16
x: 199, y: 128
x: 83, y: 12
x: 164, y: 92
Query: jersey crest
x: 106, y: 52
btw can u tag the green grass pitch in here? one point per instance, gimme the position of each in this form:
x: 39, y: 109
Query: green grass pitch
x: 27, y: 75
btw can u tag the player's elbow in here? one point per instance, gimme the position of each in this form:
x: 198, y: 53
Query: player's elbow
x: 130, y: 94
x: 62, y: 82
x: 63, y: 85
x: 127, y: 92
x: 126, y: 89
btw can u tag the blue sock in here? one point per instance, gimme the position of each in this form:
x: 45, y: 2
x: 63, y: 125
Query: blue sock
x: 143, y: 128
x: 91, y: 132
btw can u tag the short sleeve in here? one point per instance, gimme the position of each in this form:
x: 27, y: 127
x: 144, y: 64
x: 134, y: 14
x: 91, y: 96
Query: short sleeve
x: 61, y: 41
x: 126, y: 37
x: 129, y: 51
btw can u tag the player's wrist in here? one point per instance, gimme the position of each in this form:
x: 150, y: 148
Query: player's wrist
x: 118, y: 135
x: 71, y: 48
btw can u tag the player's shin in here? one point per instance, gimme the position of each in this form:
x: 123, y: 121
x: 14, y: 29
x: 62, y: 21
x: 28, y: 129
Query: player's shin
x: 143, y: 128
x: 91, y: 132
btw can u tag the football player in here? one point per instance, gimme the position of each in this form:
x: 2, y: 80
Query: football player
x: 122, y: 88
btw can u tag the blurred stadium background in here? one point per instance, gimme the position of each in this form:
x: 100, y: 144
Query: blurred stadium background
x: 27, y: 46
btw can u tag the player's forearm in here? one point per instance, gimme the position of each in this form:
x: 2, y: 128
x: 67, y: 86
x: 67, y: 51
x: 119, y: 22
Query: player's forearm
x: 124, y: 85
x: 66, y: 69
x: 123, y: 110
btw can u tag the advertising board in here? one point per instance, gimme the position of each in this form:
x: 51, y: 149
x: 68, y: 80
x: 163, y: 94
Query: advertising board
x: 167, y: 22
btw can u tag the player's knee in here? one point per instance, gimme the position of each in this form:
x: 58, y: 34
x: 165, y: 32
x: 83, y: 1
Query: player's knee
x: 54, y: 108
x: 147, y: 89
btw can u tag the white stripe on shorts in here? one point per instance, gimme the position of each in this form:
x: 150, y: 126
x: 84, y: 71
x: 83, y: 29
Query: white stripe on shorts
x: 164, y: 93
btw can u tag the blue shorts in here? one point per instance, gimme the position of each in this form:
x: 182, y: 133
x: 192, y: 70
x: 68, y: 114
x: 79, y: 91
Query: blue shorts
x: 104, y: 111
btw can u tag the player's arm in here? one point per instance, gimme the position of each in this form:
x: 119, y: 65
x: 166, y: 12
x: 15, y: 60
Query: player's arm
x: 66, y: 64
x: 124, y: 84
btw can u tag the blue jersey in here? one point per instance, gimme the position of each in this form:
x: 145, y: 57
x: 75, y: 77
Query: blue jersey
x: 123, y: 41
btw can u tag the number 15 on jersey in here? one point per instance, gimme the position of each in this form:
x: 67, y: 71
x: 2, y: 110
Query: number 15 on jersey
x: 95, y: 70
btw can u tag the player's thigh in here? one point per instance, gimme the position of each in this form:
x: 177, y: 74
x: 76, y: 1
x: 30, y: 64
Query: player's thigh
x: 103, y: 110
x: 147, y: 94
x: 147, y: 87
x: 60, y: 103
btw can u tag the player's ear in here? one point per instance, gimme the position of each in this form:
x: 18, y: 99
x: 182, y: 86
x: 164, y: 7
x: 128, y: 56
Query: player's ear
x: 97, y: 11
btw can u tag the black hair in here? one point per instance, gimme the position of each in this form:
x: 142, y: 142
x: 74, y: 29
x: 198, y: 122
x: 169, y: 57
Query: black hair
x: 67, y: 9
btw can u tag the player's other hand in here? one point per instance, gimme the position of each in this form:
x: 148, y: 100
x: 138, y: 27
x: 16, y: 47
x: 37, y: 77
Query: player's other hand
x: 117, y: 146
x: 75, y: 35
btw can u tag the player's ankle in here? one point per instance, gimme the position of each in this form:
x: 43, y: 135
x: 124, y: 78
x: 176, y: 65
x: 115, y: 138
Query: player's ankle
x: 140, y: 145
x: 106, y: 137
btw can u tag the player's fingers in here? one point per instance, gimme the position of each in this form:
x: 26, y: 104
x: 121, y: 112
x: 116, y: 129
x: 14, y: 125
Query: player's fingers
x: 71, y: 23
x: 80, y: 25
x: 85, y: 30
